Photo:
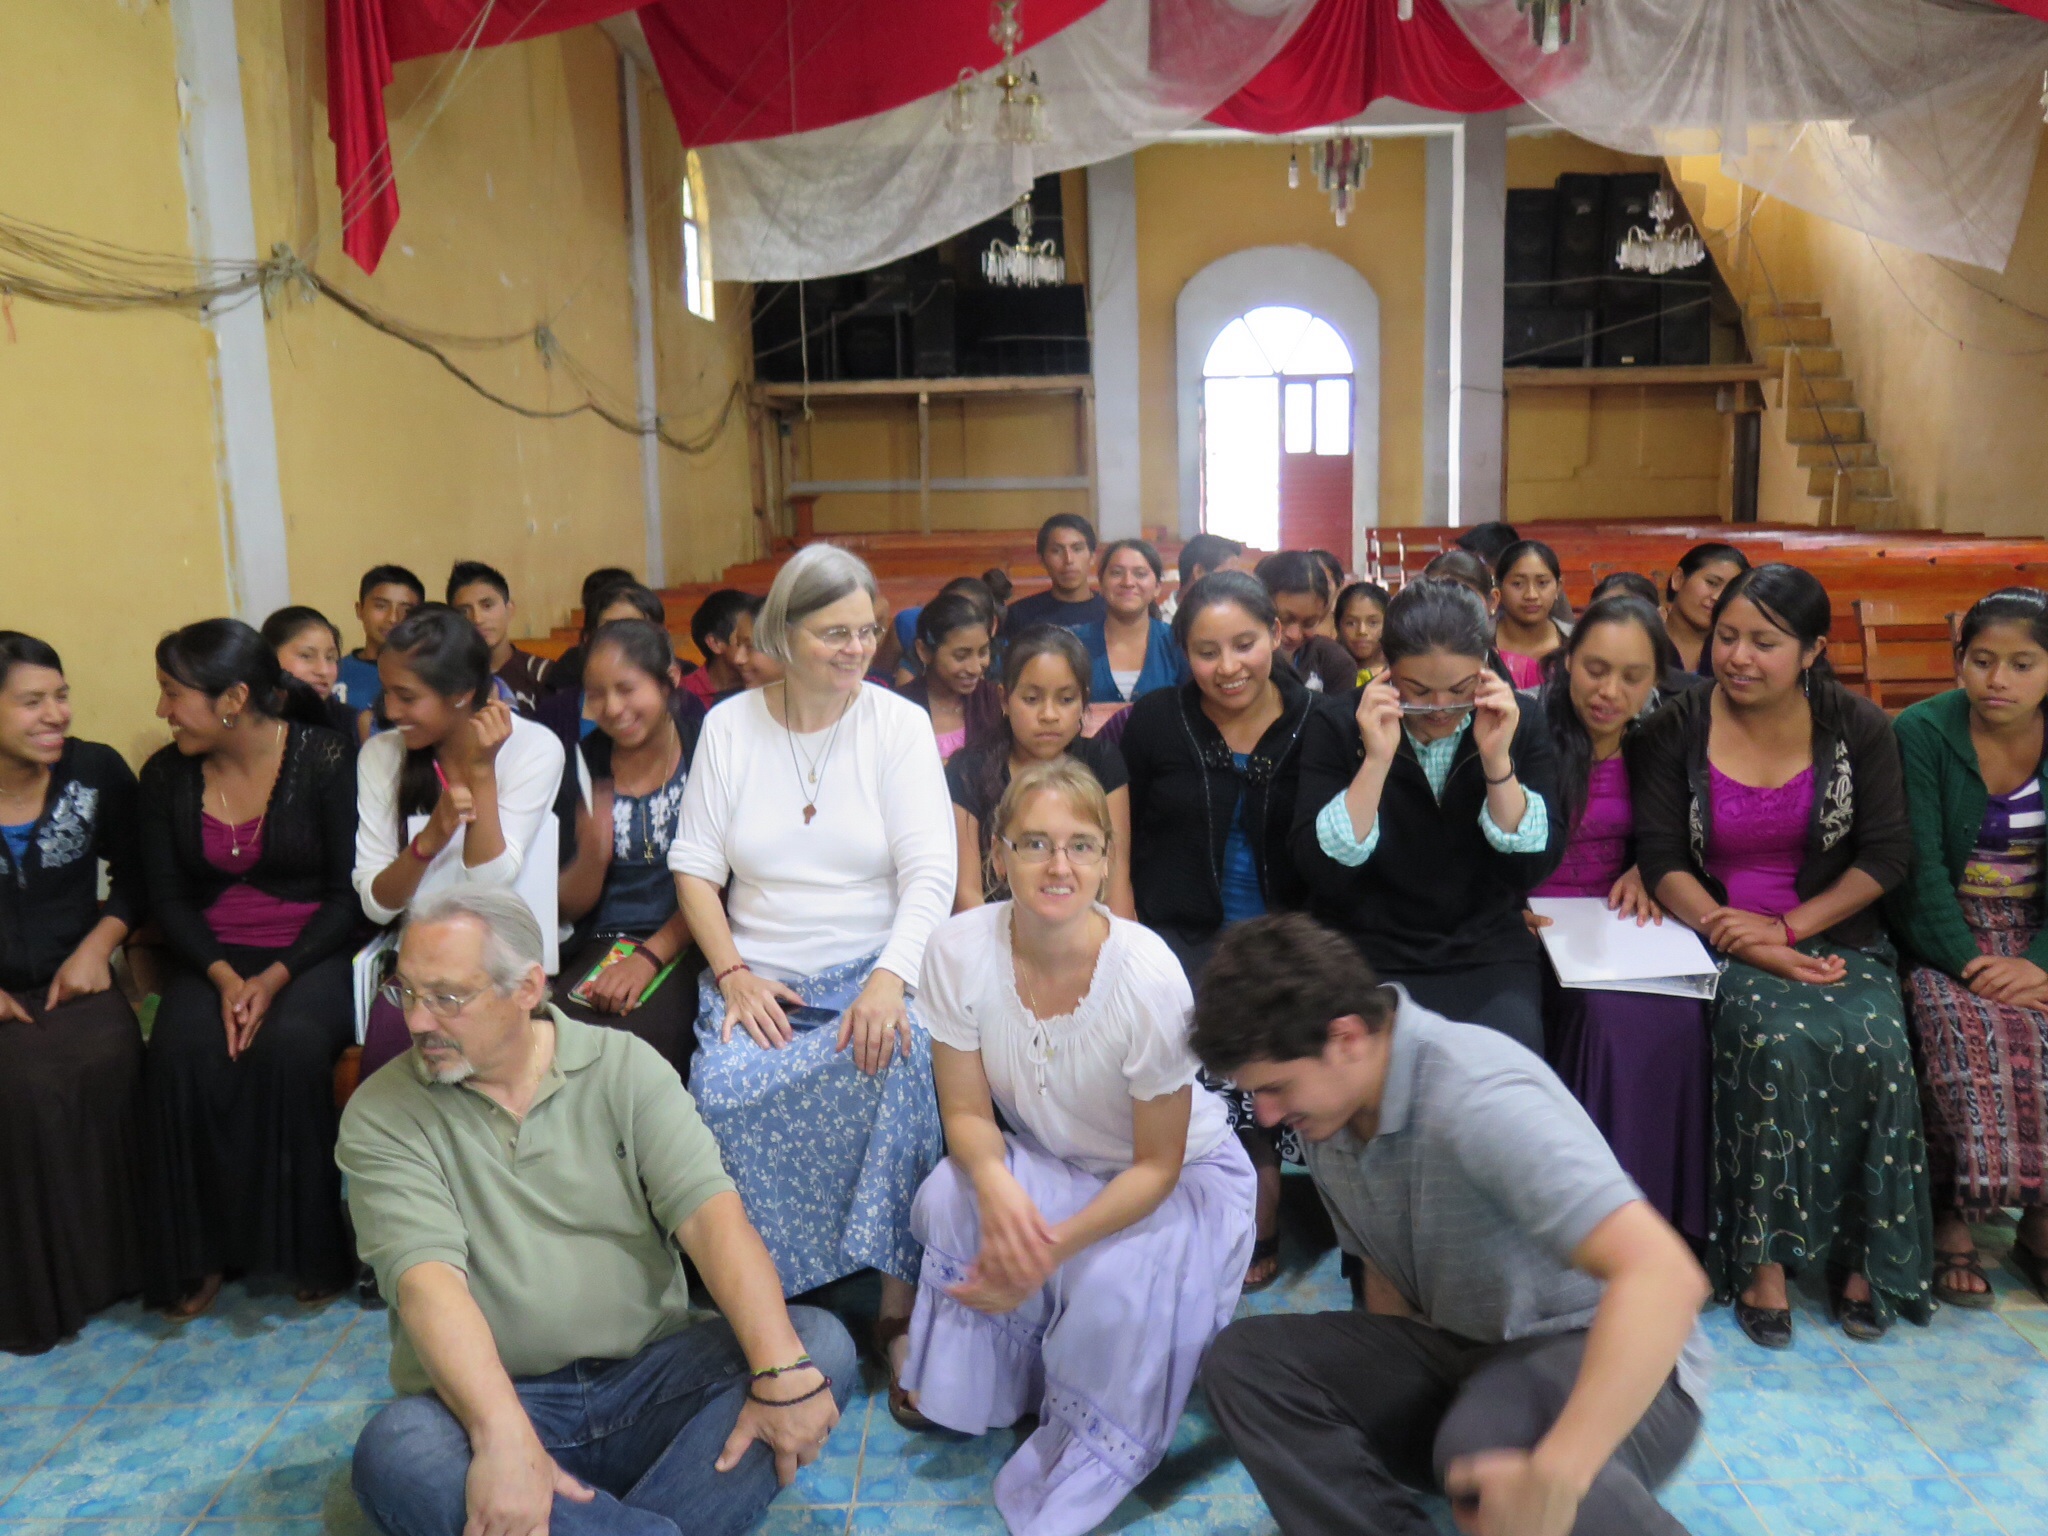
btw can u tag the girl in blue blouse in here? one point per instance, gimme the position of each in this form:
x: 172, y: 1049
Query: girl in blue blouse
x: 1131, y: 647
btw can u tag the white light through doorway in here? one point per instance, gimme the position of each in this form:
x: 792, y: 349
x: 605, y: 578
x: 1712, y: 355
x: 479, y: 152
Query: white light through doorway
x: 1241, y: 417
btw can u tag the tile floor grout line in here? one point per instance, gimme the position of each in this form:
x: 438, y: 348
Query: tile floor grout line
x: 261, y: 1440
x: 84, y: 1418
x: 1939, y: 1459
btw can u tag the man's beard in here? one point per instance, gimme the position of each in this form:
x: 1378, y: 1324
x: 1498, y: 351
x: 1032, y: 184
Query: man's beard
x: 459, y: 1071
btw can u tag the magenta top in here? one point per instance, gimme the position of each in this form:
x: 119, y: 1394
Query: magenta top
x: 1596, y: 855
x: 1525, y: 671
x: 1759, y: 840
x: 951, y: 742
x: 242, y: 914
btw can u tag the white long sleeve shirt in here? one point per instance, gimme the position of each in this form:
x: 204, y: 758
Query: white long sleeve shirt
x: 529, y: 771
x: 874, y: 867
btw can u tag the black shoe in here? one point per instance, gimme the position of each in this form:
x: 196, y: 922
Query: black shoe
x: 1859, y: 1319
x: 1767, y: 1327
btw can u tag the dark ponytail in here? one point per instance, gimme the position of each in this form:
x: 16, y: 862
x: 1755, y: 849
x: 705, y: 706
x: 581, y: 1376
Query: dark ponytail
x: 1436, y: 614
x: 1790, y: 599
x: 999, y: 741
x: 1568, y: 735
x: 2024, y: 606
x: 215, y: 655
x: 641, y: 645
x: 950, y: 611
x: 1700, y: 555
x: 443, y: 650
x: 19, y: 650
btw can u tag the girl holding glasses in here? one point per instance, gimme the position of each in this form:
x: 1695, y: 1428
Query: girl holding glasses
x: 1423, y: 820
x: 821, y: 801
x: 1077, y: 1264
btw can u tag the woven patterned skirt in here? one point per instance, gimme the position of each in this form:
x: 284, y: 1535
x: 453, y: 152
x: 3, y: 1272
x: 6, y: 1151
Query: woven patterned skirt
x: 1818, y: 1157
x: 1984, y: 1074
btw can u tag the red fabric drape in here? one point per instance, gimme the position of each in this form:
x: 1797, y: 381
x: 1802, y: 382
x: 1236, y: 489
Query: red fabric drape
x: 2038, y: 9
x: 1350, y: 53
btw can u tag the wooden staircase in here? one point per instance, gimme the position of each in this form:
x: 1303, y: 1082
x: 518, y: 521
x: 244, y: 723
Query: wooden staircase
x: 1822, y: 419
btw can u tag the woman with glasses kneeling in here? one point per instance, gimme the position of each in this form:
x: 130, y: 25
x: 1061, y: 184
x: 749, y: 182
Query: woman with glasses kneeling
x: 821, y: 800
x: 1077, y: 1267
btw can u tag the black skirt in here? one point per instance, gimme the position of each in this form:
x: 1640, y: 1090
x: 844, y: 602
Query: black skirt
x: 241, y: 1166
x: 667, y: 1021
x: 71, y: 1160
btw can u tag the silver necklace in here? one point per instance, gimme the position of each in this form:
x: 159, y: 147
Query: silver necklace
x: 812, y: 768
x: 228, y: 817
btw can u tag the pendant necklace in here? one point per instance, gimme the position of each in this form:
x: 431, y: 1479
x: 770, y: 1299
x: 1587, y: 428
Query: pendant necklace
x: 228, y: 816
x: 808, y: 774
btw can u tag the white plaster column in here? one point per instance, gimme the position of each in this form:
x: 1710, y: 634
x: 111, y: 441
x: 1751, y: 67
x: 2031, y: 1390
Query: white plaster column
x: 214, y: 149
x: 1113, y: 343
x: 1478, y: 255
x: 1442, y: 172
x: 640, y: 280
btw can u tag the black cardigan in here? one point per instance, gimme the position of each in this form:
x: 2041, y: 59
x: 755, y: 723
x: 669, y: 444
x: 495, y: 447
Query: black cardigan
x: 1435, y: 895
x: 1184, y: 792
x: 309, y: 848
x: 1859, y: 804
x: 51, y: 900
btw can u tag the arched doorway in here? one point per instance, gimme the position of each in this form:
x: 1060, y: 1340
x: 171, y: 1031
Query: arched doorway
x: 1276, y: 432
x: 1333, y: 314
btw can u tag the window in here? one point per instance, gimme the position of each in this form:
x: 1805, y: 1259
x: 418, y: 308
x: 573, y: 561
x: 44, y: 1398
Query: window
x: 1276, y: 381
x: 697, y: 290
x: 1333, y: 416
x: 1299, y: 421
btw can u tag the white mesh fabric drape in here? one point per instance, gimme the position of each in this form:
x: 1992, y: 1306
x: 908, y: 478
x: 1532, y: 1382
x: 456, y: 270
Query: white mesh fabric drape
x: 1915, y: 121
x: 848, y: 197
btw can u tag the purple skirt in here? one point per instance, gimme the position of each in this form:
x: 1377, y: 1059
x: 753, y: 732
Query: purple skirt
x: 1642, y: 1067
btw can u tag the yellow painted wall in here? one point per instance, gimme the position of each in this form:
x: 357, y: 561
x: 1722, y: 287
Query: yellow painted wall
x: 1950, y: 362
x: 112, y: 522
x: 1616, y: 451
x: 515, y: 212
x: 1197, y: 203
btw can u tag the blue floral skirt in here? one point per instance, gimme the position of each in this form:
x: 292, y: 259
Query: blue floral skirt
x: 826, y: 1157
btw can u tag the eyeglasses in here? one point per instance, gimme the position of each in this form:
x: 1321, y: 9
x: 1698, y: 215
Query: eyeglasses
x: 839, y: 637
x: 1081, y: 852
x: 1459, y: 701
x: 442, y: 1005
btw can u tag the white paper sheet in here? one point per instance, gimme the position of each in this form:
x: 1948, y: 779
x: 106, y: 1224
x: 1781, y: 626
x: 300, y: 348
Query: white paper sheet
x: 369, y: 969
x: 1596, y: 950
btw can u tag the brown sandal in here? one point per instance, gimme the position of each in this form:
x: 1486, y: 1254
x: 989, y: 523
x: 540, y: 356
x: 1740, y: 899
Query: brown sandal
x: 887, y: 1331
x: 1951, y: 1267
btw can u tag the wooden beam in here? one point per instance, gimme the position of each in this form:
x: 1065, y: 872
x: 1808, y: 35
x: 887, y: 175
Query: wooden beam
x: 1020, y: 384
x: 1594, y: 378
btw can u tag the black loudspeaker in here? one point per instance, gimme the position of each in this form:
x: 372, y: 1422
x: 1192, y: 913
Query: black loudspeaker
x: 1628, y: 207
x: 1531, y: 234
x: 1547, y: 338
x: 1580, y: 256
x: 934, y: 350
x: 1685, y: 327
x: 1628, y: 337
x: 867, y: 346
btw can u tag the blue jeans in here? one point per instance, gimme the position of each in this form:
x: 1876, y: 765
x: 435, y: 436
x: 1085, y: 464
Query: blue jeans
x: 642, y: 1432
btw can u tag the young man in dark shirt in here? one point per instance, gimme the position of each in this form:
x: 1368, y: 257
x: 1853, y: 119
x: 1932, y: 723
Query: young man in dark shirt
x: 387, y: 594
x: 481, y: 595
x: 1066, y: 546
x: 723, y: 628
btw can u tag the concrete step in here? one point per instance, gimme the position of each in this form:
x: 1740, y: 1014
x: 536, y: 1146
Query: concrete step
x: 1788, y: 330
x: 1848, y: 455
x: 1805, y: 389
x: 1842, y: 423
x: 1762, y: 305
x: 1818, y: 361
x: 1872, y: 481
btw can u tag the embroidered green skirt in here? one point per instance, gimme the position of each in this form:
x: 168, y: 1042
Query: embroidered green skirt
x: 1818, y: 1156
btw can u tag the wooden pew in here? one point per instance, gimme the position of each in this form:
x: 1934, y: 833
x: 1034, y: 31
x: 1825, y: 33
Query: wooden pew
x: 1908, y: 647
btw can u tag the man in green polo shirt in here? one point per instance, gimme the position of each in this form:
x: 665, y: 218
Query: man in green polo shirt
x: 522, y: 1183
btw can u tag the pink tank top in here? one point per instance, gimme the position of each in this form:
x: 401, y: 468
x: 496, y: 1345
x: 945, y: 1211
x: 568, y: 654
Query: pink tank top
x: 1759, y: 840
x: 1597, y: 853
x: 242, y: 914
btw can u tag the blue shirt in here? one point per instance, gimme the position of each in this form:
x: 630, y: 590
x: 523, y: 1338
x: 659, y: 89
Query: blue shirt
x: 18, y: 837
x: 1242, y: 897
x: 1165, y: 666
x: 358, y: 687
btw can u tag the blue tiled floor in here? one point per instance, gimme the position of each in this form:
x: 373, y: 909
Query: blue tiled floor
x: 239, y: 1424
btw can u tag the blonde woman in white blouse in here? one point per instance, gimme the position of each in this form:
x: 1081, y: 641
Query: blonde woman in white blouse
x: 1077, y: 1267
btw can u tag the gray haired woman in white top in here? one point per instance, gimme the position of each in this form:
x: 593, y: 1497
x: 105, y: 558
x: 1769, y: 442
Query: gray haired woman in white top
x: 820, y: 801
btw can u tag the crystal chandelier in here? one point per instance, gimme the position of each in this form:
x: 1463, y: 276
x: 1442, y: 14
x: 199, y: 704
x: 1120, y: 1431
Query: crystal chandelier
x: 1339, y: 165
x: 1019, y: 107
x: 1550, y: 21
x: 1664, y: 249
x: 1023, y: 265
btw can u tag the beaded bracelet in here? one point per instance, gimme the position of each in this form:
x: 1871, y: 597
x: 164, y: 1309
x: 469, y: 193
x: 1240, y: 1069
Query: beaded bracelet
x: 718, y: 976
x: 791, y: 1402
x: 783, y: 1370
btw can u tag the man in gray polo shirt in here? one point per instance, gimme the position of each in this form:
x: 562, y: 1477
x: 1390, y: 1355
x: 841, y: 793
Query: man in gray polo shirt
x: 1530, y: 1340
x: 522, y: 1184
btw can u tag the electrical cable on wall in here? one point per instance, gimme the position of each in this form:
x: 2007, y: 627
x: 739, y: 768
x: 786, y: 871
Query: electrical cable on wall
x: 76, y: 272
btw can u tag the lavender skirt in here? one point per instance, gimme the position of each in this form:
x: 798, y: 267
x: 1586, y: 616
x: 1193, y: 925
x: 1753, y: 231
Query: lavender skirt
x: 1642, y: 1066
x: 1105, y: 1354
